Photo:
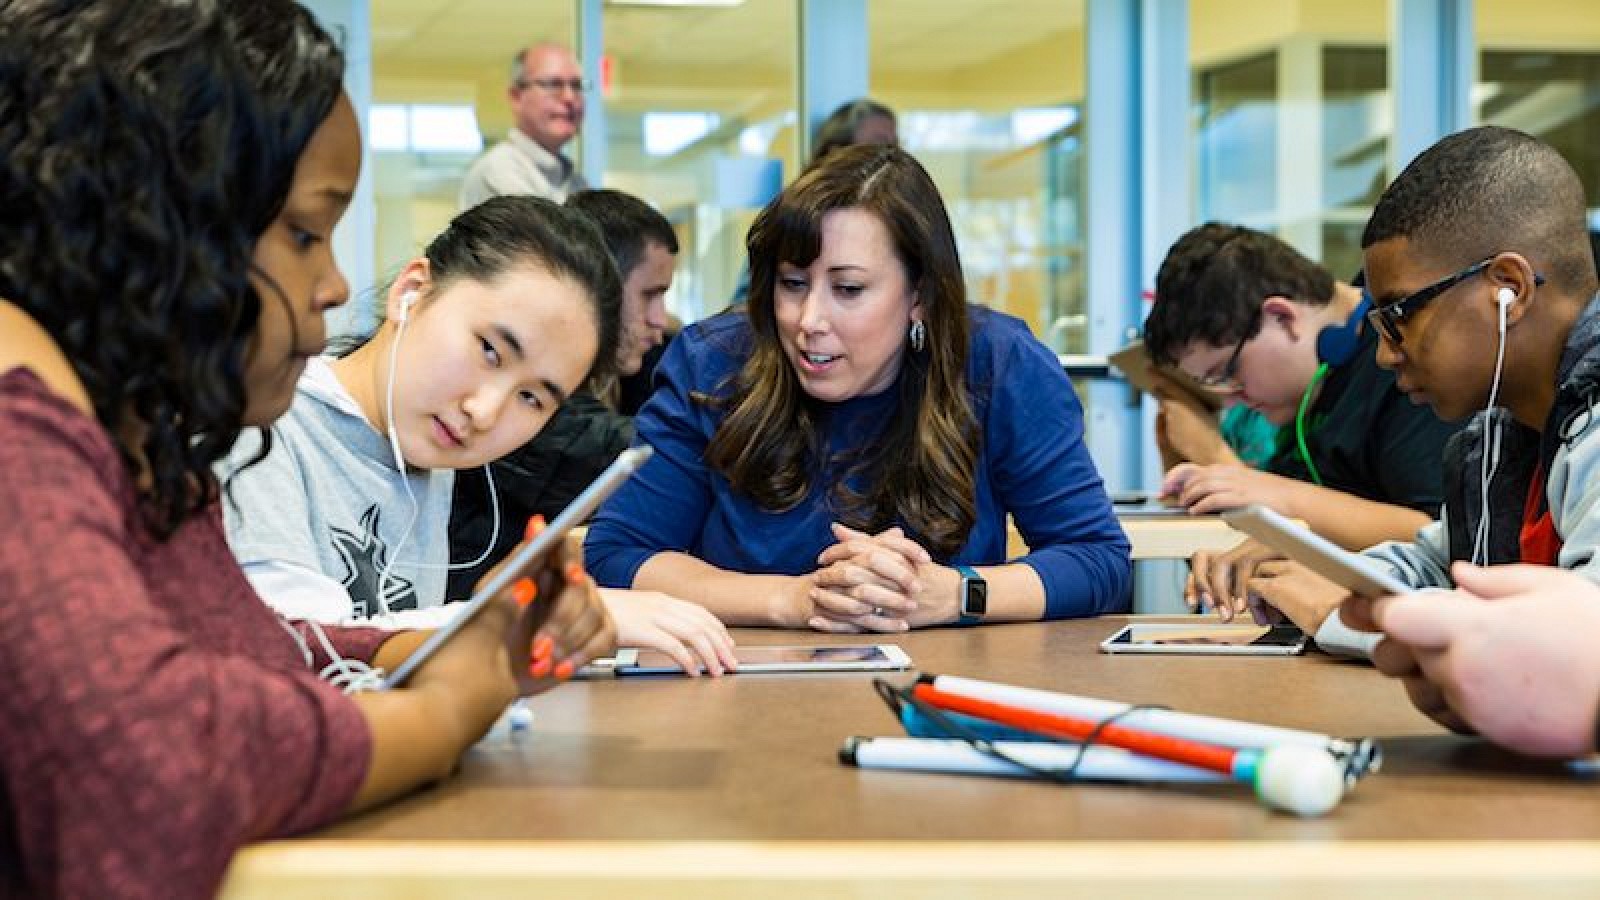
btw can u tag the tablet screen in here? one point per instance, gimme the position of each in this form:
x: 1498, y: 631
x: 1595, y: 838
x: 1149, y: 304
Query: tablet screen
x: 762, y: 656
x: 1212, y: 635
x: 524, y: 558
x: 837, y: 658
x: 1150, y: 509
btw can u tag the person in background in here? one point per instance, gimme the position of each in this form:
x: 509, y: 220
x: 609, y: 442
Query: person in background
x: 860, y: 121
x: 173, y: 175
x: 547, y: 98
x: 842, y: 453
x: 345, y: 520
x: 1248, y: 315
x: 633, y: 390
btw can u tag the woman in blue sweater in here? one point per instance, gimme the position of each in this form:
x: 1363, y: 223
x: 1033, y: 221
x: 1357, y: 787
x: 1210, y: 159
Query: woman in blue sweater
x: 842, y: 454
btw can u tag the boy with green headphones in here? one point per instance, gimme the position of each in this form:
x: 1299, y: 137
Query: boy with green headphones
x: 1248, y: 315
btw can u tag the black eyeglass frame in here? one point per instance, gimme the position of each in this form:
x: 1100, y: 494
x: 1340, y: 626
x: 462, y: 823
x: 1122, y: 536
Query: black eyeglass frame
x: 553, y: 84
x: 1228, y: 379
x: 1388, y: 318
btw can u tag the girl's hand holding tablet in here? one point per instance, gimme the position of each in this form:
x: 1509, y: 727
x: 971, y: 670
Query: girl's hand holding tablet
x: 537, y: 632
x: 560, y: 620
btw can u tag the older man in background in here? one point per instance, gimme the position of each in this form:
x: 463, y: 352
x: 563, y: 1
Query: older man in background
x: 547, y: 95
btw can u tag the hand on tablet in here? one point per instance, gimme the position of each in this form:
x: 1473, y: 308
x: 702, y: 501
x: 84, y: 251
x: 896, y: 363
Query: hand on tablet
x: 1220, y: 580
x: 684, y: 631
x: 869, y: 583
x: 1509, y: 653
x: 1257, y: 580
x: 548, y: 624
x: 1282, y: 589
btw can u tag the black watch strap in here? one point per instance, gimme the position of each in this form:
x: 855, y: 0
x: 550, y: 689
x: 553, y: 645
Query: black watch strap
x: 973, y: 603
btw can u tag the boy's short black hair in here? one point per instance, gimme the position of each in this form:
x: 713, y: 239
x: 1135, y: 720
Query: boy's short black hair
x: 626, y: 223
x: 1490, y: 190
x: 1213, y: 281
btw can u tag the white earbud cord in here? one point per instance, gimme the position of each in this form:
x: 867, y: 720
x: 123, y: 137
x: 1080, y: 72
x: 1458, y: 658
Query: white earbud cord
x: 353, y: 675
x: 1491, y: 450
x: 393, y: 556
x: 348, y: 675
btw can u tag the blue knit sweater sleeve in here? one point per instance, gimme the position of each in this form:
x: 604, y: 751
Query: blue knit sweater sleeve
x: 1041, y: 472
x: 1032, y: 464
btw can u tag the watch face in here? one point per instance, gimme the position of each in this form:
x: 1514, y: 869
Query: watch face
x: 975, y: 597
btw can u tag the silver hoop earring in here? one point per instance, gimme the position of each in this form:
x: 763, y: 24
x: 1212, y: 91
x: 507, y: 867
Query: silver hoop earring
x: 919, y: 335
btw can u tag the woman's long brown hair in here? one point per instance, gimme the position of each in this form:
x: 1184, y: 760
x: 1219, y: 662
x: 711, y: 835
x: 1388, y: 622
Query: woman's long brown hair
x: 921, y: 471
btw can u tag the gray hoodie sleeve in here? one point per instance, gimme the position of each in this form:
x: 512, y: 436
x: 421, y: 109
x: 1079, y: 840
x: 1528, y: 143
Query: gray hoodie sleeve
x: 1423, y: 563
x: 1573, y: 491
x: 1339, y: 639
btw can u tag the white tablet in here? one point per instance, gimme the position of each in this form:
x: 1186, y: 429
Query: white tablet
x: 1143, y: 505
x: 517, y: 567
x: 1361, y: 575
x: 1207, y: 639
x: 758, y: 660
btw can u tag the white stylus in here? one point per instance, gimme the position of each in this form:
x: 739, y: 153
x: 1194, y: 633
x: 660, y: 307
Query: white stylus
x: 1100, y: 763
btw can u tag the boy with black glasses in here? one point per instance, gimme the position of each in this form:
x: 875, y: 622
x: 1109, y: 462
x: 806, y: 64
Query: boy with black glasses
x: 1484, y: 289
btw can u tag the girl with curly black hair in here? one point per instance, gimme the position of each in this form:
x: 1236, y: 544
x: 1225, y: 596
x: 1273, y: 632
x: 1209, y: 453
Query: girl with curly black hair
x: 170, y: 175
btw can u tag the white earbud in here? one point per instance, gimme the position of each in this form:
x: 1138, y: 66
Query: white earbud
x: 1504, y: 297
x: 406, y: 299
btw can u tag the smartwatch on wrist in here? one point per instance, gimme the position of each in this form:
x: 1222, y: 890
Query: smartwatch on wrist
x: 974, y: 597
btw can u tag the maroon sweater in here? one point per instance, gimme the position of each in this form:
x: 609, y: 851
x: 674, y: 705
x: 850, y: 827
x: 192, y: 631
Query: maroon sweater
x: 154, y: 714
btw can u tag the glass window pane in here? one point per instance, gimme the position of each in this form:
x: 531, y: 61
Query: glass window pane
x: 994, y: 110
x: 1292, y: 110
x: 700, y: 121
x: 439, y: 97
x: 1539, y: 72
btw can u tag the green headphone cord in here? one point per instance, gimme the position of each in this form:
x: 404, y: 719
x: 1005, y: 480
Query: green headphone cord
x: 1300, y: 423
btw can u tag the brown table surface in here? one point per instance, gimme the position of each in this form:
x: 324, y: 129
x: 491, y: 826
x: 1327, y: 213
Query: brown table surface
x: 673, y: 772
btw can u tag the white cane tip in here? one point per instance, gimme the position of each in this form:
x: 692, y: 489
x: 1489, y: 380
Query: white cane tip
x: 1302, y: 780
x: 519, y: 717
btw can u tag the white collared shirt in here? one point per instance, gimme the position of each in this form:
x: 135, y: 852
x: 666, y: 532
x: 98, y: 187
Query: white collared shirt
x: 519, y: 165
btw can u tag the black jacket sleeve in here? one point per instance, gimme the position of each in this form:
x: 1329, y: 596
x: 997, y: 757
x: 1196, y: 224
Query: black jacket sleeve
x: 539, y: 478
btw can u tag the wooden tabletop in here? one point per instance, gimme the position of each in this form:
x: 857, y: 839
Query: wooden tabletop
x: 723, y: 785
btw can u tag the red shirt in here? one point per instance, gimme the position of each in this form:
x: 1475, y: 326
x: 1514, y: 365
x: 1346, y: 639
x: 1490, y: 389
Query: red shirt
x: 154, y: 714
x: 1539, y: 541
